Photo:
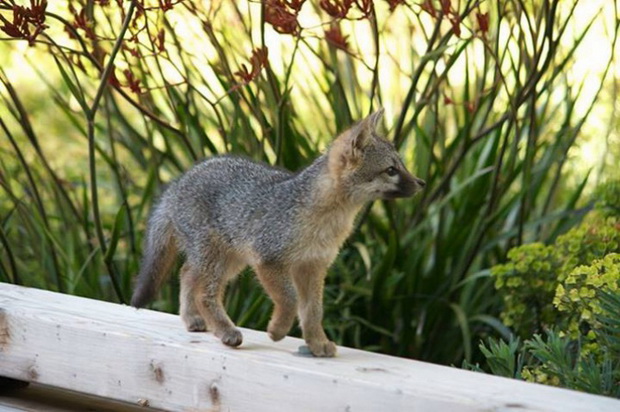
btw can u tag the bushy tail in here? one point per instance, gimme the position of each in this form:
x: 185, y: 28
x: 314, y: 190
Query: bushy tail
x: 159, y: 254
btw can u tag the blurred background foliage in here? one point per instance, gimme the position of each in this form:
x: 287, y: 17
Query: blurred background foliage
x: 508, y: 109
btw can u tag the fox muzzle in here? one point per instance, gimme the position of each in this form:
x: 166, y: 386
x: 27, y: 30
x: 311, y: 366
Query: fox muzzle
x: 408, y: 185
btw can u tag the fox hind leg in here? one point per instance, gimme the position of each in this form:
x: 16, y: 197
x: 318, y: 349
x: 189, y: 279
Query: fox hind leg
x: 194, y: 322
x: 211, y: 277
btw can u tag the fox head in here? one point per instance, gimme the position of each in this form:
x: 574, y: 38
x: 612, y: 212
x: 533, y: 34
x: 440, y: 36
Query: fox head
x: 368, y: 167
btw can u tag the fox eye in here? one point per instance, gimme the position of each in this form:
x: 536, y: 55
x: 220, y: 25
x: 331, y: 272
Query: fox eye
x: 391, y: 171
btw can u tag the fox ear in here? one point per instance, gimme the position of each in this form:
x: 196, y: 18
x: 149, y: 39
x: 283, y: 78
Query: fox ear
x: 358, y: 137
x: 361, y: 134
x: 372, y: 121
x: 347, y: 149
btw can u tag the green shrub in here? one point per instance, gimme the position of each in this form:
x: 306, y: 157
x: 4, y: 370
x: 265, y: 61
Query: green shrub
x: 559, y: 360
x: 529, y: 281
x: 577, y: 298
x: 570, y: 290
x: 586, y: 362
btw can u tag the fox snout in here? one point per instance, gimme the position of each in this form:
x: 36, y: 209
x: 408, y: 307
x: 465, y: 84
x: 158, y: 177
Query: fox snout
x: 407, y: 186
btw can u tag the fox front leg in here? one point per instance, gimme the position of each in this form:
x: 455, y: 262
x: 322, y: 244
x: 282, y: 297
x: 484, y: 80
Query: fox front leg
x: 280, y: 288
x: 309, y: 283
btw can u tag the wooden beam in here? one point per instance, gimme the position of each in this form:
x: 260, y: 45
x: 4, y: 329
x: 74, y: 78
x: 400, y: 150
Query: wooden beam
x: 147, y: 358
x: 38, y: 397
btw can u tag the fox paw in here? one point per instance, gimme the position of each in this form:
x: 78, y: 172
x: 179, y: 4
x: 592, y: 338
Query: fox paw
x: 276, y: 333
x: 322, y: 349
x: 232, y: 338
x: 195, y: 324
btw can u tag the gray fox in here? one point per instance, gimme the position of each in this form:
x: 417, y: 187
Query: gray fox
x: 228, y: 212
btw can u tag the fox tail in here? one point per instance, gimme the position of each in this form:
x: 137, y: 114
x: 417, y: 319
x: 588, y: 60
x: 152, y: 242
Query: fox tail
x: 160, y: 252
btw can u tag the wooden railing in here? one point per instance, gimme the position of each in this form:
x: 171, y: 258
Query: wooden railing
x: 147, y: 358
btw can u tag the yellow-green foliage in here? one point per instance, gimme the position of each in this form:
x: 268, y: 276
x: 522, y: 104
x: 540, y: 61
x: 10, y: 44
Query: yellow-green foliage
x: 529, y: 281
x: 558, y: 289
x: 539, y: 374
x: 577, y: 298
x: 593, y: 239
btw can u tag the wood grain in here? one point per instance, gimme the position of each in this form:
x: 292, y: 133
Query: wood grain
x: 146, y: 357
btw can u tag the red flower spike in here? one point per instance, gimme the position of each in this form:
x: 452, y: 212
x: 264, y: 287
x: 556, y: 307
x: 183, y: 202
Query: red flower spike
x: 456, y: 24
x: 23, y: 17
x: 35, y: 14
x: 260, y: 57
x: 244, y: 74
x: 134, y: 52
x: 338, y: 9
x: 137, y: 15
x: 295, y: 4
x: 14, y: 28
x: 427, y: 6
x: 366, y: 7
x: 483, y: 22
x: 335, y: 38
x: 132, y: 81
x: 113, y: 80
x: 395, y: 3
x: 259, y: 61
x: 446, y: 6
x: 81, y: 22
x: 278, y: 15
x: 166, y: 5
x: 161, y: 40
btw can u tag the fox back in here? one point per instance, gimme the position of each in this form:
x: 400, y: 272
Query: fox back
x: 229, y: 212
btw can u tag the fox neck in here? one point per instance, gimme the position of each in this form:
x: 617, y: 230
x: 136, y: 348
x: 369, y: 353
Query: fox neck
x: 326, y: 191
x: 327, y: 215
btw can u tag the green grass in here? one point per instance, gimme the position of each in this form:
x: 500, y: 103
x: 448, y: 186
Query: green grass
x: 488, y: 119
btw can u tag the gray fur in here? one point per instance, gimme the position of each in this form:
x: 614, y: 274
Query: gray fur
x: 246, y: 204
x: 243, y: 202
x: 229, y: 212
